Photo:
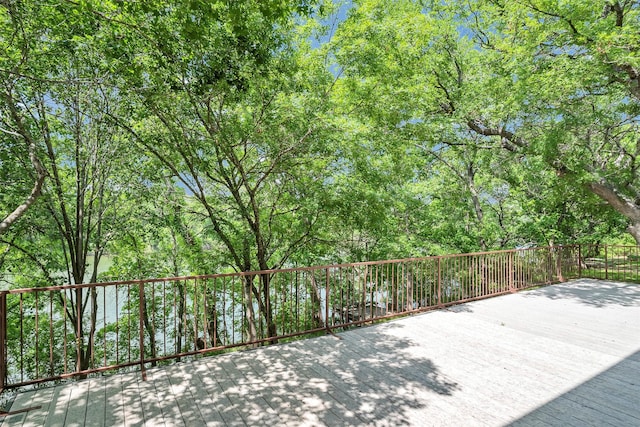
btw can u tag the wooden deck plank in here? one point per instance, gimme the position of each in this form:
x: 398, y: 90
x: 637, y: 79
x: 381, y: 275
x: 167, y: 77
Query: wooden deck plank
x: 239, y: 389
x: 359, y: 378
x: 312, y: 376
x: 468, y: 372
x: 257, y: 408
x: 41, y: 398
x: 290, y: 379
x: 528, y: 376
x: 476, y: 376
x: 205, y: 405
x: 131, y: 400
x: 208, y: 379
x: 95, y: 414
x: 114, y: 405
x: 413, y: 377
x: 57, y: 412
x: 170, y: 409
x: 551, y: 356
x: 151, y: 406
x: 77, y: 406
x: 179, y: 383
x: 22, y: 400
x: 287, y: 374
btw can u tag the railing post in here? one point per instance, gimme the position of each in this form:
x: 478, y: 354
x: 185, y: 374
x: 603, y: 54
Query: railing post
x: 3, y: 340
x: 511, y: 272
x: 79, y: 340
x: 579, y: 261
x: 326, y: 301
x: 142, y: 308
x: 606, y: 263
x: 560, y: 255
x: 550, y: 264
x: 439, y: 282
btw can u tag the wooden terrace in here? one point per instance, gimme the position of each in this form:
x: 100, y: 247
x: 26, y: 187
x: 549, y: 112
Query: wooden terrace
x: 566, y: 355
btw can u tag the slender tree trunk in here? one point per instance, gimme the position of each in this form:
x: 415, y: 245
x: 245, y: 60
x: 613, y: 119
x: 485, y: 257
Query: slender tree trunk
x: 181, y: 326
x: 251, y: 330
x: 149, y: 327
x: 394, y: 292
x: 31, y: 199
x: 215, y: 336
x: 272, y: 331
x: 477, y: 206
x: 316, y: 303
x: 409, y: 303
x: 41, y: 173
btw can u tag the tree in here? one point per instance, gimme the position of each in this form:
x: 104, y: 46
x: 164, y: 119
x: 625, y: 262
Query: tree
x: 57, y: 102
x: 445, y: 76
x: 564, y: 85
x: 396, y: 66
x: 230, y: 108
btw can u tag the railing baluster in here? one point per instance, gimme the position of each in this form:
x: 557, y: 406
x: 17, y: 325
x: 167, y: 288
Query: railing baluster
x: 326, y: 299
x: 141, y: 312
x: 3, y: 340
x: 104, y: 325
x: 510, y: 272
x: 51, y: 367
x: 36, y: 333
x: 439, y: 281
x: 606, y: 263
x: 21, y: 320
x: 64, y: 331
x: 117, y: 320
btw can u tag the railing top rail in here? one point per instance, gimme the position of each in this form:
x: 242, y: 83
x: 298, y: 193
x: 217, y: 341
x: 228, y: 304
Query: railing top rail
x: 272, y: 271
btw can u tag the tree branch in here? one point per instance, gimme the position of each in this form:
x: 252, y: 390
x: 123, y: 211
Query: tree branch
x: 617, y: 201
x: 41, y: 174
x: 510, y: 141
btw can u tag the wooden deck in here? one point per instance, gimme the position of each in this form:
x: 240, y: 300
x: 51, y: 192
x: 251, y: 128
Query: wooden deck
x: 561, y: 355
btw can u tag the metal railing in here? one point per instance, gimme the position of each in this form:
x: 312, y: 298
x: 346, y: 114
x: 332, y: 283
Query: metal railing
x: 54, y: 333
x: 621, y: 263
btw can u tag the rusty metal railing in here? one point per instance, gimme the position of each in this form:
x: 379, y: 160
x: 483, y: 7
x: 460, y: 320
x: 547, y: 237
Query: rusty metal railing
x: 620, y: 262
x: 59, y: 332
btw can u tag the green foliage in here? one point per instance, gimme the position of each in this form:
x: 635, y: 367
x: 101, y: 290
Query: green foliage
x: 246, y: 146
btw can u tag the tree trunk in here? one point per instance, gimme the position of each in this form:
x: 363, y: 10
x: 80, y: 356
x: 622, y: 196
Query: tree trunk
x: 181, y: 312
x: 395, y: 304
x: 213, y: 329
x: 252, y: 333
x: 265, y: 280
x: 477, y: 206
x: 409, y: 302
x: 30, y: 200
x: 621, y: 204
x: 33, y: 157
x: 634, y: 230
x: 148, y: 325
x: 316, y: 302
